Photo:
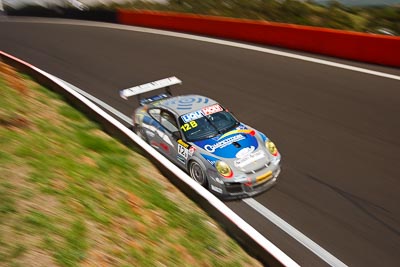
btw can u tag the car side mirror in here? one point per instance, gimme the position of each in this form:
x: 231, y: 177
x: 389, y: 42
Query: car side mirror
x: 176, y: 135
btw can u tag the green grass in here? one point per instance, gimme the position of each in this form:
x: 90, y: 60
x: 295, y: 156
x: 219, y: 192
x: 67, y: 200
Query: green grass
x: 74, y: 247
x: 39, y: 220
x: 7, y: 201
x: 72, y: 195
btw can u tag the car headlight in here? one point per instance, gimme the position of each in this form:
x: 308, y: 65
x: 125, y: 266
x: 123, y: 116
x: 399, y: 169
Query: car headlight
x: 224, y: 169
x: 271, y: 148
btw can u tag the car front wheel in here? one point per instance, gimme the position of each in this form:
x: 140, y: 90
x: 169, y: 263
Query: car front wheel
x: 197, y: 173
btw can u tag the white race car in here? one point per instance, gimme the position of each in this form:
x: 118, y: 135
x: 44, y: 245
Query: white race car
x: 203, y: 138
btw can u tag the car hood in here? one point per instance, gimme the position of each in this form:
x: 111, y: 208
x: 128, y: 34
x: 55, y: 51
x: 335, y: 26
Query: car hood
x: 239, y: 148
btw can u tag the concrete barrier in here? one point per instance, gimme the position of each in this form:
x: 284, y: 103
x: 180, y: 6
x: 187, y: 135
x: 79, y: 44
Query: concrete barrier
x: 371, y: 48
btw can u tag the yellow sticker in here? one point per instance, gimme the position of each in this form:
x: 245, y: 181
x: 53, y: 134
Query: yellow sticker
x: 190, y: 125
x: 182, y: 143
x: 264, y: 177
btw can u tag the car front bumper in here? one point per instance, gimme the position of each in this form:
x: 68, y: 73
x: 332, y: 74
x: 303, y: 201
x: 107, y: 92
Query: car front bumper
x: 237, y: 190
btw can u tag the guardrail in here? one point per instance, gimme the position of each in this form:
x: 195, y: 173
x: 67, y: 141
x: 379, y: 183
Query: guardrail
x: 251, y: 240
x: 378, y: 49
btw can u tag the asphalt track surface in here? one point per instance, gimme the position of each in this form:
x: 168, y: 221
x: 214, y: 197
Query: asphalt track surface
x: 338, y: 130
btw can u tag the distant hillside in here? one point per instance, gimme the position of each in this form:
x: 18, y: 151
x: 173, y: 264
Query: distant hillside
x: 362, y: 2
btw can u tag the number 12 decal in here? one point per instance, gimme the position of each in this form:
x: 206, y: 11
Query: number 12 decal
x: 187, y: 126
x: 183, y: 151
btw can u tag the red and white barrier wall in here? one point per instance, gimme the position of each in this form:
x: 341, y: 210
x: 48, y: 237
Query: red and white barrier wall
x: 372, y: 48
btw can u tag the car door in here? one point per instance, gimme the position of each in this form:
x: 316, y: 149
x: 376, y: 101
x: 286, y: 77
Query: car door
x: 178, y: 153
x: 157, y: 134
x: 165, y: 136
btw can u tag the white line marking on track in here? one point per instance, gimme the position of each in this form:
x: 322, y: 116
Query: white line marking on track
x: 96, y: 100
x: 211, y: 40
x: 293, y: 232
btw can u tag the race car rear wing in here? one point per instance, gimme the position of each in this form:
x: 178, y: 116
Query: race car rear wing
x: 147, y: 87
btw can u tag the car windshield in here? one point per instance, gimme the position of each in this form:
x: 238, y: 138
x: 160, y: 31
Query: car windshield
x: 204, y: 127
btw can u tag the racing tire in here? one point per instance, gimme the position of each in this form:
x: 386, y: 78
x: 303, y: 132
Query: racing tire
x: 197, y: 173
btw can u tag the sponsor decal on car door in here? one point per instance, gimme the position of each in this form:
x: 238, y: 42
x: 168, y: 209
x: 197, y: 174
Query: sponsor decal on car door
x: 183, y: 151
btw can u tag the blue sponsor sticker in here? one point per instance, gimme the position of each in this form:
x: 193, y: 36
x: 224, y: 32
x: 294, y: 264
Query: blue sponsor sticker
x: 229, y: 145
x: 192, y: 116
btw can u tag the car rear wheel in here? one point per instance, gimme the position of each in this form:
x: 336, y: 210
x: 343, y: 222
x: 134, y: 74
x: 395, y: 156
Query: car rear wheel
x: 197, y: 173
